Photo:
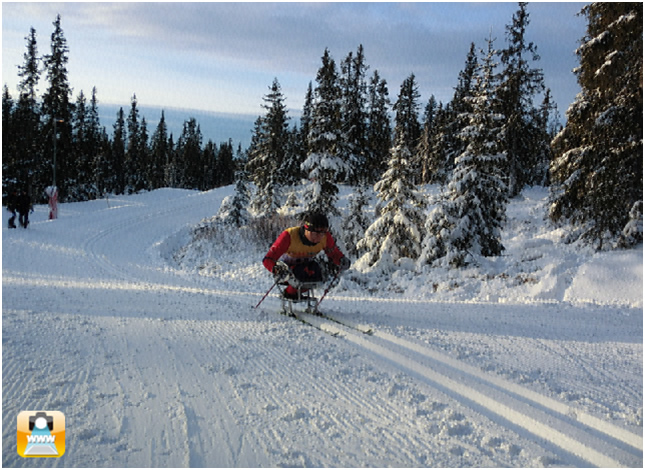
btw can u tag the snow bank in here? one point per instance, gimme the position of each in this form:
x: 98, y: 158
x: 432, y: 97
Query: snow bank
x: 537, y: 265
x: 610, y: 278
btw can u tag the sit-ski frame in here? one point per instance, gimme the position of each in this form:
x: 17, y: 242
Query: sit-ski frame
x: 305, y: 294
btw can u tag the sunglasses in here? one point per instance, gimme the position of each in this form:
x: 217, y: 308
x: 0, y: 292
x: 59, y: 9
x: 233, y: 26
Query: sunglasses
x: 315, y: 230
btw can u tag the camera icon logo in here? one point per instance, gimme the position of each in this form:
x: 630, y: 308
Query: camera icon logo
x: 41, y: 434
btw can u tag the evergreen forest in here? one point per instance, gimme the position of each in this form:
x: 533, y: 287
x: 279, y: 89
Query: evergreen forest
x: 498, y: 134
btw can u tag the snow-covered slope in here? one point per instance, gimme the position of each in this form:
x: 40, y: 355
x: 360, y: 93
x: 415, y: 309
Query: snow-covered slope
x: 150, y: 346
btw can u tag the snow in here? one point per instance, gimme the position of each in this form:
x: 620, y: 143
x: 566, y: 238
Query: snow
x: 146, y: 338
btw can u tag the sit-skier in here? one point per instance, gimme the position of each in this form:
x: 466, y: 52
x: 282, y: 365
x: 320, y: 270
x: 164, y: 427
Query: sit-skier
x: 292, y: 255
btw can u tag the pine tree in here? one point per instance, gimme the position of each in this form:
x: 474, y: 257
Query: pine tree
x: 598, y: 168
x: 354, y: 112
x: 210, y: 178
x: 294, y: 156
x: 462, y: 99
x: 237, y: 213
x: 188, y: 156
x: 160, y: 153
x: 484, y: 145
x: 544, y: 127
x: 9, y: 163
x: 324, y: 165
x: 30, y: 73
x: 397, y: 231
x: 468, y: 220
x: 136, y: 155
x: 407, y: 128
x: 424, y: 147
x: 356, y: 222
x: 305, y: 124
x: 457, y: 114
x: 22, y: 157
x: 27, y: 112
x: 98, y: 143
x: 267, y: 153
x: 379, y: 132
x: 519, y: 84
x: 115, y: 168
x: 82, y: 182
x: 225, y: 168
x: 57, y: 111
x: 440, y: 160
x: 171, y: 178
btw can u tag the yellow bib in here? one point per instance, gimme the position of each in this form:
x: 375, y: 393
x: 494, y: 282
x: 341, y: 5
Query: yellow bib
x: 297, y: 249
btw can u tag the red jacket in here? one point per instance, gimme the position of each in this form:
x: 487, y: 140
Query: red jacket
x: 292, y: 246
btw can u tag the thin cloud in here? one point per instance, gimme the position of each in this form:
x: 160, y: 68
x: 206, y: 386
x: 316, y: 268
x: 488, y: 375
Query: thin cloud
x: 246, y: 45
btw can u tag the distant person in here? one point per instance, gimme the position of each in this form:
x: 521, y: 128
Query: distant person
x: 12, y: 202
x: 291, y: 255
x: 24, y: 206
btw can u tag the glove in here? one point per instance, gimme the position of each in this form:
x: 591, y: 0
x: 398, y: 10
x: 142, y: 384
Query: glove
x: 344, y: 264
x: 281, y: 271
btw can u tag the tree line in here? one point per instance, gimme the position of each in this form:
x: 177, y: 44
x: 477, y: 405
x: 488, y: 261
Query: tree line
x: 499, y: 134
x: 53, y: 140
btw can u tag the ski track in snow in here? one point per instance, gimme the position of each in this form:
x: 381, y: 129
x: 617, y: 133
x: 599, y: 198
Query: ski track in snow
x: 154, y: 366
x: 502, y: 400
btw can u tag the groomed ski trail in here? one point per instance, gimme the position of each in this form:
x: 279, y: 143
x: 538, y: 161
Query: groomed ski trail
x: 573, y: 434
x: 156, y: 367
x: 589, y: 439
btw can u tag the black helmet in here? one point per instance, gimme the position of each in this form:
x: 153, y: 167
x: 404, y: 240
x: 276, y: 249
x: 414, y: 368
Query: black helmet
x: 315, y: 221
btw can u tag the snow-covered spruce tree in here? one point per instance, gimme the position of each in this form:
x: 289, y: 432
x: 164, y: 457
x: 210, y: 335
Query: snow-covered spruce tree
x: 302, y: 144
x: 598, y: 166
x: 324, y: 164
x: 224, y: 166
x: 160, y: 152
x: 442, y: 144
x: 267, y: 152
x: 291, y: 206
x: 467, y: 223
x: 84, y: 188
x: 56, y: 111
x: 379, y: 131
x: 21, y: 139
x: 354, y: 113
x: 633, y: 232
x: 97, y: 143
x: 407, y: 129
x: 293, y: 158
x: 440, y: 160
x: 456, y: 120
x: 189, y: 155
x: 356, y: 222
x: 115, y: 178
x: 236, y: 213
x: 397, y: 231
x: 424, y: 146
x: 519, y: 85
x: 136, y: 150
x: 546, y: 127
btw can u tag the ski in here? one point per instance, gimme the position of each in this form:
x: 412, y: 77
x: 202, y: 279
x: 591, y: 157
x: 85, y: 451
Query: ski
x: 319, y: 322
x: 311, y: 314
x: 328, y: 323
x: 365, y: 329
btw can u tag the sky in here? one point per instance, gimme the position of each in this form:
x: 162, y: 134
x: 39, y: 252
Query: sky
x: 223, y: 57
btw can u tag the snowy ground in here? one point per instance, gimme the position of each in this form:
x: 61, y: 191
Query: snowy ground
x: 154, y: 353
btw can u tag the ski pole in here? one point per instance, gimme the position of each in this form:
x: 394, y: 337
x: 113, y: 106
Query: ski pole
x: 265, y: 295
x: 333, y: 281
